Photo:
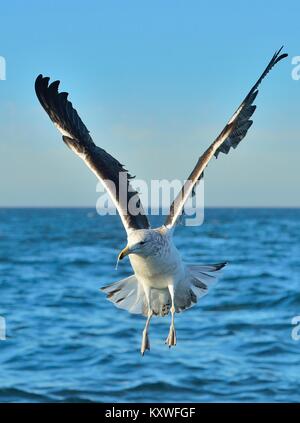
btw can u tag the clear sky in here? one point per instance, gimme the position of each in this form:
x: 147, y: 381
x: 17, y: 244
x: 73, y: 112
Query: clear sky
x: 155, y: 82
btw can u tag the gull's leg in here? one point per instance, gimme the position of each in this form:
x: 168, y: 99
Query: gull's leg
x: 145, y: 339
x: 171, y: 339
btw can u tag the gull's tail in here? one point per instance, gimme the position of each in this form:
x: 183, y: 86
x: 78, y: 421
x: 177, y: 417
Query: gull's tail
x: 129, y: 294
x: 199, y: 279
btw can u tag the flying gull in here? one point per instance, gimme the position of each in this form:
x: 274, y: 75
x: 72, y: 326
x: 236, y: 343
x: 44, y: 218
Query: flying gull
x: 161, y: 282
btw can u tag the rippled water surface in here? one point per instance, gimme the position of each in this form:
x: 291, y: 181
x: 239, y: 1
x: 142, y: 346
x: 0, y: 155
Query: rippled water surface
x: 66, y: 342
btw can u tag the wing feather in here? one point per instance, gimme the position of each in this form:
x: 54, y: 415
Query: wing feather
x: 230, y: 137
x: 77, y: 137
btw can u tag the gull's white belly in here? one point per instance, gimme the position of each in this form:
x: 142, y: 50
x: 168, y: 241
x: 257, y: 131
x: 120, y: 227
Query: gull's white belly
x: 158, y: 271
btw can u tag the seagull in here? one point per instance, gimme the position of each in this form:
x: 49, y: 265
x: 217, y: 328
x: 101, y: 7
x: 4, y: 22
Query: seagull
x: 162, y: 283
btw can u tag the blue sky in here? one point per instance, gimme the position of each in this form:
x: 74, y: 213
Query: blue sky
x: 155, y: 82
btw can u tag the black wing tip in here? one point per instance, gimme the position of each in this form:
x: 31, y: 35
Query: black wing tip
x: 42, y: 84
x: 54, y: 85
x: 277, y: 56
x: 222, y: 265
x: 40, y: 79
x: 280, y: 50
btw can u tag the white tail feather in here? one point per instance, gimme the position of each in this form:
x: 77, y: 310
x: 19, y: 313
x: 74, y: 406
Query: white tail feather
x: 199, y: 279
x: 128, y: 293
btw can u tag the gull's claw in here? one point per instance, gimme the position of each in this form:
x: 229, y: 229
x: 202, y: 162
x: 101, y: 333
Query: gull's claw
x: 171, y: 339
x: 145, y: 343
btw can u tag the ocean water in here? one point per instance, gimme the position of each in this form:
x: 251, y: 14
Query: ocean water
x: 66, y: 343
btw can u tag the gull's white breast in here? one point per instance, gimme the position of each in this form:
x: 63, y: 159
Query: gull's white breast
x: 160, y: 269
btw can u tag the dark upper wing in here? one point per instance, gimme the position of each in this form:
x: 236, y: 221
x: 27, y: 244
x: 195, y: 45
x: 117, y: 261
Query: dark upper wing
x: 109, y: 171
x: 231, y: 136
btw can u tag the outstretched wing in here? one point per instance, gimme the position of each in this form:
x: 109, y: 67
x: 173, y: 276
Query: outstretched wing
x: 231, y: 136
x: 108, y: 170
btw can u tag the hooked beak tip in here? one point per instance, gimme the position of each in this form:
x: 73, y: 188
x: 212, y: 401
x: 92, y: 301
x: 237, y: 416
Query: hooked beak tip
x: 123, y: 253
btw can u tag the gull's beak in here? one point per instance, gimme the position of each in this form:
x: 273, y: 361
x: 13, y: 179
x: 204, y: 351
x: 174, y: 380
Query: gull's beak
x: 124, y: 253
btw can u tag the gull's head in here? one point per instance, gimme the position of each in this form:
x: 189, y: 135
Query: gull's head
x: 141, y: 242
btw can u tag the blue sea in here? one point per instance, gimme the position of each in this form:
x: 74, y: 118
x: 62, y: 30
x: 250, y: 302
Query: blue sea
x: 66, y: 343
